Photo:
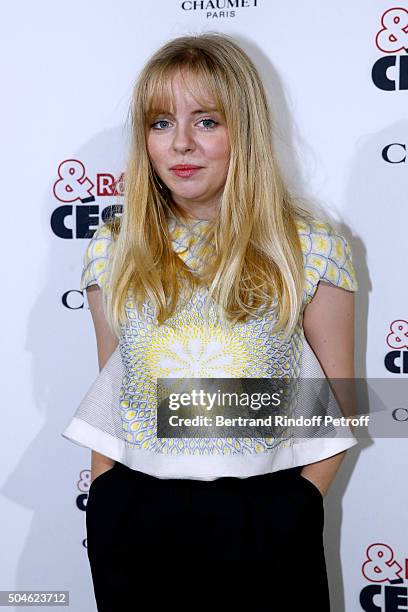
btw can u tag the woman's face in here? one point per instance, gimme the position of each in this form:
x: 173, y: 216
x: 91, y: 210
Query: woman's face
x: 192, y: 136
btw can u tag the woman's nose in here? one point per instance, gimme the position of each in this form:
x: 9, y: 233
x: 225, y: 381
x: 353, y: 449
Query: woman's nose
x: 183, y: 138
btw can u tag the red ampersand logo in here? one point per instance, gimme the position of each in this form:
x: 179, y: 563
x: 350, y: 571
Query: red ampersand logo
x: 398, y: 338
x: 381, y: 565
x: 73, y: 184
x: 393, y: 37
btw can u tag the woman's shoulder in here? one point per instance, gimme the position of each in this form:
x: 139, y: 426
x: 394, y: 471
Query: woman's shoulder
x: 96, y: 257
x: 327, y: 254
x: 314, y: 227
x: 321, y: 238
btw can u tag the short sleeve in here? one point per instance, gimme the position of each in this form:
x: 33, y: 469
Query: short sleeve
x: 96, y: 258
x: 327, y: 257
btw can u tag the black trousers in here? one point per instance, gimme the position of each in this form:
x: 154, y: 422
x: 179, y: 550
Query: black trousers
x: 198, y: 544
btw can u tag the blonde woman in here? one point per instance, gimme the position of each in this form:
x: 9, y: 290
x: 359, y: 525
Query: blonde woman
x: 213, y: 270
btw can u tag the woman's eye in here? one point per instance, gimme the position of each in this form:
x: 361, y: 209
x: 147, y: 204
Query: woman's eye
x: 211, y: 121
x: 157, y: 123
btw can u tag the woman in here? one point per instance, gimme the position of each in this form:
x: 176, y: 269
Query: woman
x: 213, y: 270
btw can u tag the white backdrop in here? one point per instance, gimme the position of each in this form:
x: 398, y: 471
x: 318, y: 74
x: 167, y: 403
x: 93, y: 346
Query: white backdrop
x: 67, y: 78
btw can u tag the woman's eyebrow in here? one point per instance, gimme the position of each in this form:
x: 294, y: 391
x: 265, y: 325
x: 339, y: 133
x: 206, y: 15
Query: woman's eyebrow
x: 205, y: 110
x: 195, y: 112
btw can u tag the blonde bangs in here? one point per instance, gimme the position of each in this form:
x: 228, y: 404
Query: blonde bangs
x: 197, y: 78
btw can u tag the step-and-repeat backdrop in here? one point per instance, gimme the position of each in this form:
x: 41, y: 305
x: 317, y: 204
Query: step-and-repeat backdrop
x: 337, y: 79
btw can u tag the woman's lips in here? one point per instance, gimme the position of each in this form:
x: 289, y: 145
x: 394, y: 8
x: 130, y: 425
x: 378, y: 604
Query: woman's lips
x: 185, y: 173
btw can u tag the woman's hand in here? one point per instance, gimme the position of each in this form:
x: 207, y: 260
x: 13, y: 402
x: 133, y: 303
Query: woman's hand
x: 323, y: 472
x: 100, y: 464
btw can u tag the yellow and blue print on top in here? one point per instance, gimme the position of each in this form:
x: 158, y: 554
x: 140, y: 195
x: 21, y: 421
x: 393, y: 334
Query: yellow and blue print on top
x: 184, y: 347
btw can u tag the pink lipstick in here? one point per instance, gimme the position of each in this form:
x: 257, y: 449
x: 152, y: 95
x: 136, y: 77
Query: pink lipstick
x: 185, y: 170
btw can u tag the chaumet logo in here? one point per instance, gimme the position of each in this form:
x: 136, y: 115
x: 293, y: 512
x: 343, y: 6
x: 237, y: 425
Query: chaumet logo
x: 218, y: 9
x: 386, y: 591
x: 78, y: 211
x: 390, y: 72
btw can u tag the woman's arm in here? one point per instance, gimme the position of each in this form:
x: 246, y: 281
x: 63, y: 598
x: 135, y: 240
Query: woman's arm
x: 106, y: 344
x: 328, y: 323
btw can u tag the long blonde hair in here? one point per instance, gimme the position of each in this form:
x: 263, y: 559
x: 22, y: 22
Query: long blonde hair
x: 255, y: 260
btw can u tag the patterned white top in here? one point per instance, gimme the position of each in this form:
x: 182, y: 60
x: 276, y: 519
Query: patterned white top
x: 118, y: 415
